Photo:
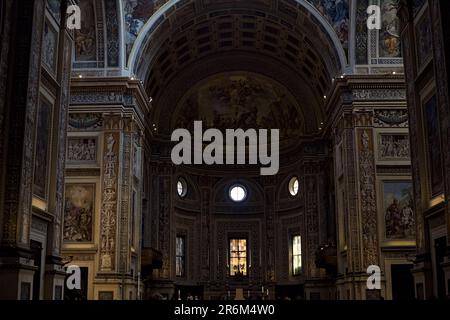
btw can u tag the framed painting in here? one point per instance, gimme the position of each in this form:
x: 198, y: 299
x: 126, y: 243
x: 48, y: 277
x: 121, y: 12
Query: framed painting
x: 424, y: 43
x: 433, y: 145
x: 42, y: 147
x: 50, y: 47
x: 389, y: 35
x: 79, y: 212
x: 398, y: 210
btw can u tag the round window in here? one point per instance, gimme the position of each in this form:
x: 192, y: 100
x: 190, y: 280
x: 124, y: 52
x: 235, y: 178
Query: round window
x: 181, y: 187
x: 238, y: 193
x: 293, y: 186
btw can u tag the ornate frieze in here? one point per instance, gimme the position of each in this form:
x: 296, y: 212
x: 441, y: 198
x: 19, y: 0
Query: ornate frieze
x: 110, y: 97
x: 312, y: 223
x: 393, y: 147
x: 164, y: 224
x: 379, y: 94
x: 82, y: 149
x: 108, y: 214
x: 61, y: 138
x: 85, y: 121
x: 391, y: 118
x: 125, y: 208
x: 368, y: 197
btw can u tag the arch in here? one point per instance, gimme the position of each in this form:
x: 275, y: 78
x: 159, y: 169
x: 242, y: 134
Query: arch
x: 157, y: 18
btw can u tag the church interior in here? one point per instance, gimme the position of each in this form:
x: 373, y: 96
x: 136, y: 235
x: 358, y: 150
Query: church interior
x: 87, y: 178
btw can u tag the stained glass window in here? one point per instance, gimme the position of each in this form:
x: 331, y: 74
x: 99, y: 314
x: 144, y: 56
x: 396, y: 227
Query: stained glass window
x: 238, y: 257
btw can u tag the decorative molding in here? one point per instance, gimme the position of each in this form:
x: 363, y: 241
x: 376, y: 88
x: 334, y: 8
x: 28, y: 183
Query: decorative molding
x: 109, y: 97
x: 85, y: 121
x: 391, y: 118
x: 379, y: 94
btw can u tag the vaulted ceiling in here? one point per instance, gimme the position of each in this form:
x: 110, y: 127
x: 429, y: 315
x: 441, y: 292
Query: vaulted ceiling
x: 281, y: 40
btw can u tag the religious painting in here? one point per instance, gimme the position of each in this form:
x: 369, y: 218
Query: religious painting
x: 41, y: 160
x: 137, y: 12
x: 82, y: 149
x: 337, y: 14
x: 79, y: 212
x: 389, y: 38
x: 393, y: 147
x: 50, y: 47
x: 85, y: 38
x: 241, y: 100
x: 398, y: 210
x: 423, y: 40
x: 433, y: 140
x: 54, y: 7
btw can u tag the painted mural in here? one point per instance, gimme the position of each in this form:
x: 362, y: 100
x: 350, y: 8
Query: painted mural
x: 434, y: 145
x: 337, y: 14
x: 398, y: 210
x: 49, y: 47
x: 423, y: 40
x: 85, y: 39
x: 43, y: 127
x: 241, y: 101
x: 389, y: 42
x: 79, y: 212
x: 137, y: 12
x: 55, y: 8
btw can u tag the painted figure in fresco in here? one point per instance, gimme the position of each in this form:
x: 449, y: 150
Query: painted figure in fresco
x: 85, y: 42
x: 85, y: 38
x: 390, y: 36
x: 394, y: 217
x: 78, y: 213
x: 337, y: 13
x: 408, y: 221
x: 240, y: 101
x: 400, y: 222
x: 137, y: 12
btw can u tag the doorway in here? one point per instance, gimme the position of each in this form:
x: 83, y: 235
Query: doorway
x: 440, y: 245
x: 36, y: 248
x: 402, y: 282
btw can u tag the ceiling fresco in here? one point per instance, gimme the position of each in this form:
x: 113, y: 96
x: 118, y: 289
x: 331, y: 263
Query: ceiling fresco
x: 241, y: 100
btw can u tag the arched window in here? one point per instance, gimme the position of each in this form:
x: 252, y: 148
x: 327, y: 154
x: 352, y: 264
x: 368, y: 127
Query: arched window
x: 293, y: 186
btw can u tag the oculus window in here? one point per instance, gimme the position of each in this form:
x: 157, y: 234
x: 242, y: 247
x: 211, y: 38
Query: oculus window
x: 181, y: 187
x: 238, y: 193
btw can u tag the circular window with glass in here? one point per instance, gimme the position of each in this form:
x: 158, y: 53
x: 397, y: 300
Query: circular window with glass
x: 181, y: 187
x: 293, y: 186
x: 238, y: 193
